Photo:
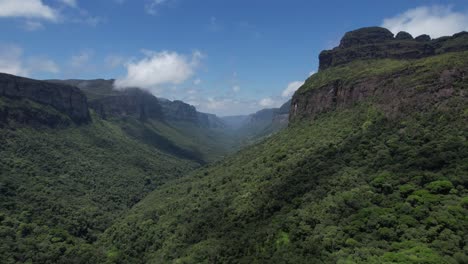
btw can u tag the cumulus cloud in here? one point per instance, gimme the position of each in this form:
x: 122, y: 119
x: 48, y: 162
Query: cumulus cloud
x: 159, y: 68
x: 12, y: 62
x: 28, y: 9
x: 236, y: 88
x: 435, y: 21
x: 291, y: 88
x: 197, y: 81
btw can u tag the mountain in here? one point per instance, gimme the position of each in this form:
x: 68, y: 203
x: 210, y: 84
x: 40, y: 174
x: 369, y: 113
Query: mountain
x: 66, y: 104
x: 66, y: 174
x: 101, y: 90
x: 371, y: 169
x: 256, y: 126
x: 174, y: 126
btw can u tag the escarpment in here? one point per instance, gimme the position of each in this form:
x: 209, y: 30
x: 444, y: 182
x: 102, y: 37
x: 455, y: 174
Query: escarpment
x: 63, y: 99
x: 379, y: 43
x: 132, y: 102
x: 398, y: 75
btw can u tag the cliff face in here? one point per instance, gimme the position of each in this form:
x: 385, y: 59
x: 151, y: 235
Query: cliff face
x: 395, y: 81
x: 132, y: 102
x: 65, y: 99
x: 179, y: 111
x: 379, y: 43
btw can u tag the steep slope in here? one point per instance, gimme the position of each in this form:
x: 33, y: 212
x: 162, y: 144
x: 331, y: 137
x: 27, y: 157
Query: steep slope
x: 173, y: 126
x: 57, y: 98
x: 66, y: 175
x: 372, y: 169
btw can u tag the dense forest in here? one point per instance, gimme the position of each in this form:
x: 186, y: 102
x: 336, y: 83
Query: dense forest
x: 371, y: 168
x: 354, y: 185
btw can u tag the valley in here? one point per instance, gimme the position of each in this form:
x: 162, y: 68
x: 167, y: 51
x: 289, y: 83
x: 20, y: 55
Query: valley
x: 366, y: 163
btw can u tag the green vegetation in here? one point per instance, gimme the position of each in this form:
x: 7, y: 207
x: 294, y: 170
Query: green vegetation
x: 61, y: 188
x: 420, y: 71
x: 350, y: 187
x: 354, y: 185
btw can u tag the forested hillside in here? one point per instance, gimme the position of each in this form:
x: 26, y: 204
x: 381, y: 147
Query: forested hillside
x: 372, y: 169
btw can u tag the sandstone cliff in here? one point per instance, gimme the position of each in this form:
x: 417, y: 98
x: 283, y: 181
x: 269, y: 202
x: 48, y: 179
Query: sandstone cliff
x: 65, y: 99
x: 368, y: 67
x: 379, y: 43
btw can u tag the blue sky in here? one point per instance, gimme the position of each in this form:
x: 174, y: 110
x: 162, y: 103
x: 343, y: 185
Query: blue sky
x: 225, y: 57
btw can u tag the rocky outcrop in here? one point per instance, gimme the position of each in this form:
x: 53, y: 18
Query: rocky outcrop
x: 379, y: 43
x: 132, y: 102
x: 210, y: 120
x: 65, y: 99
x: 178, y: 111
x: 412, y: 86
x: 388, y: 92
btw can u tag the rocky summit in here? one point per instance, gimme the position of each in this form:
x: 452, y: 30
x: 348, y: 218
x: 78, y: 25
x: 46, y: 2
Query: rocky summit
x: 379, y: 43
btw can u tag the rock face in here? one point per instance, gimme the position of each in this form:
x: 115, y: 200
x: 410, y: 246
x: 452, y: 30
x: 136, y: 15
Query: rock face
x: 65, y: 99
x: 379, y: 43
x: 132, y: 102
x: 179, y: 111
x: 394, y: 87
x: 365, y: 36
x: 386, y: 92
x: 402, y: 35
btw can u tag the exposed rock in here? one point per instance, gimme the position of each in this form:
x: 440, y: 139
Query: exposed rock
x: 385, y: 92
x: 132, y: 102
x: 402, y: 35
x: 423, y: 38
x: 378, y: 43
x: 210, y: 120
x: 64, y: 98
x: 179, y: 111
x: 365, y: 36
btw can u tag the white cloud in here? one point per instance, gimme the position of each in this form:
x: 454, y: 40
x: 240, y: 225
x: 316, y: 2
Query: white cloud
x: 159, y: 68
x: 42, y: 64
x: 28, y: 9
x: 267, y: 102
x: 70, y: 3
x: 12, y: 62
x: 236, y: 88
x: 197, y: 81
x: 435, y: 21
x: 292, y: 87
